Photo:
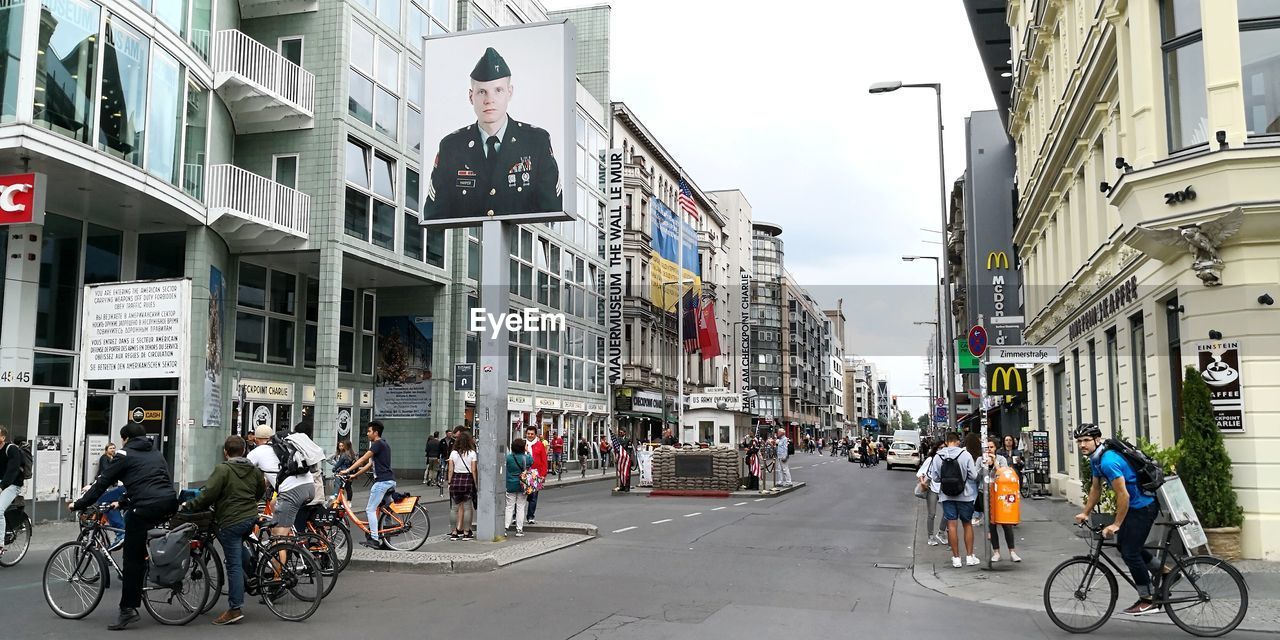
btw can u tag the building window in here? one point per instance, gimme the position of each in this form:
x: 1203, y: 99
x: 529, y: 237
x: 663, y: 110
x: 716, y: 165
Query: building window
x: 195, y: 133
x: 291, y: 49
x: 59, y: 288
x: 370, y: 212
x: 347, y: 334
x: 1260, y: 60
x: 162, y: 255
x: 66, y: 67
x: 389, y: 12
x: 1172, y: 319
x: 312, y: 321
x: 124, y: 92
x: 1093, y: 381
x: 10, y: 50
x: 164, y: 117
x: 373, y: 82
x: 1138, y: 346
x: 266, y: 309
x: 1186, y: 99
x: 1113, y: 379
x: 368, y: 333
x: 1075, y: 370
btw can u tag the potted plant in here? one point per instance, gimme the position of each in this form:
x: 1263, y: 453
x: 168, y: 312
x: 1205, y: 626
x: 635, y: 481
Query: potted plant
x: 1205, y: 469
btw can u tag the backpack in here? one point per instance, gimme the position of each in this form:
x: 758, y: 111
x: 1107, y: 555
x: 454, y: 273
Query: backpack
x: 292, y: 461
x: 1150, y: 475
x: 169, y: 552
x: 530, y: 480
x: 26, y: 466
x: 791, y: 447
x: 951, y: 476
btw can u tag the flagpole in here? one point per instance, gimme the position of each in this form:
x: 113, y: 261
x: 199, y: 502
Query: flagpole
x: 679, y: 430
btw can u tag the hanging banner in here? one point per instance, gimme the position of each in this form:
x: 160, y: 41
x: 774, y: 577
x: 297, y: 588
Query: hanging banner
x: 1219, y: 366
x: 213, y: 351
x: 134, y: 329
x: 671, y: 237
x: 403, y: 388
x: 615, y: 225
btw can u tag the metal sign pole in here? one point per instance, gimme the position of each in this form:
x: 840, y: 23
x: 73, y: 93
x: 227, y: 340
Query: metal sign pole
x: 491, y: 391
x: 982, y: 420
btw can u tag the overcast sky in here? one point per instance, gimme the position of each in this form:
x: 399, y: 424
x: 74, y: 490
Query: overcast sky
x: 771, y: 98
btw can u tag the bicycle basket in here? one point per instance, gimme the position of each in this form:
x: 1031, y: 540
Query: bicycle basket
x: 404, y: 505
x: 203, y: 520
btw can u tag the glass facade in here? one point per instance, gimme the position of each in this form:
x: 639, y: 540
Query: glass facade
x: 164, y: 119
x: 10, y: 52
x: 1186, y: 98
x: 66, y: 67
x: 195, y: 137
x: 122, y: 109
x: 1260, y: 65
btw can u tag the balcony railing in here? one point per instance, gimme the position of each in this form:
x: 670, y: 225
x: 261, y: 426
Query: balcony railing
x: 251, y: 197
x: 263, y: 89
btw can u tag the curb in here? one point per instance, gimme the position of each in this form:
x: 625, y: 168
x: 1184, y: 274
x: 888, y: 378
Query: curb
x: 564, y: 535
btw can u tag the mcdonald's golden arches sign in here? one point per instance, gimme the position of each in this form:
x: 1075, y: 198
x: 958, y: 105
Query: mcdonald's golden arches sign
x: 1006, y: 380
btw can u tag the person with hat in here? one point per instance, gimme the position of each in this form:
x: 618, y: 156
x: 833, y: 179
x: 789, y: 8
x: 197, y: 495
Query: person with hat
x: 497, y: 165
x: 262, y: 456
x: 151, y: 500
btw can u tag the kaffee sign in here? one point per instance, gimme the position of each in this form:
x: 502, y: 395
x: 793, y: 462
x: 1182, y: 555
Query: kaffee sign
x: 22, y: 199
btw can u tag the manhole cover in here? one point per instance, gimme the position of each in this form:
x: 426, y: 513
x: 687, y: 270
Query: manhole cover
x: 886, y: 565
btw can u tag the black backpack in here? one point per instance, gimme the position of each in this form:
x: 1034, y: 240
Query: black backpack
x: 791, y: 447
x: 1150, y: 475
x: 292, y: 460
x: 25, y: 467
x: 951, y: 476
x: 169, y: 553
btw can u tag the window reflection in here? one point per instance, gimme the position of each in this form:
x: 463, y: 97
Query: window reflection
x: 196, y: 133
x: 124, y: 91
x: 59, y: 283
x: 10, y: 49
x: 65, y: 67
x: 165, y: 116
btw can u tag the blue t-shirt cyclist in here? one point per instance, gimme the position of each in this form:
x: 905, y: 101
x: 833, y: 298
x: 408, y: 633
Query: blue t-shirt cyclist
x: 1135, y: 511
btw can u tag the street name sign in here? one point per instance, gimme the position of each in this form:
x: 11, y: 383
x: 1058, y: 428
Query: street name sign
x: 1023, y: 355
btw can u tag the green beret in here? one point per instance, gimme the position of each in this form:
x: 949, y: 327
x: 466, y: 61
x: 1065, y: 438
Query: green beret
x: 490, y: 67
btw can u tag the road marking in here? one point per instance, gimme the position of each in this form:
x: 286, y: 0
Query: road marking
x: 660, y: 521
x: 717, y: 508
x: 623, y: 530
x: 690, y: 515
x: 759, y: 499
x: 738, y: 504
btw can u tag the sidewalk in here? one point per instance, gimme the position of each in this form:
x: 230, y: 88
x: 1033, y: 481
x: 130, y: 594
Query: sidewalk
x: 441, y: 555
x: 431, y: 494
x: 1045, y: 538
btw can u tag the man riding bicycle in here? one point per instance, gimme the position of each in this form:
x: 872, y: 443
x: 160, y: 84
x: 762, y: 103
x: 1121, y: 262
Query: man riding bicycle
x: 1135, y: 512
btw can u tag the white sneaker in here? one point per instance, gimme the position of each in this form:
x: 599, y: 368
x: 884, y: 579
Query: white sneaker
x: 995, y: 557
x: 1013, y: 555
x: 972, y: 561
x: 933, y: 541
x: 955, y: 562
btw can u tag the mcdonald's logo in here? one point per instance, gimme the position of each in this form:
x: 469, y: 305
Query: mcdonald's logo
x: 1006, y: 380
x: 997, y: 259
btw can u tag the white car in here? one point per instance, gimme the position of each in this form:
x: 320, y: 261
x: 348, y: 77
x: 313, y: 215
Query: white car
x: 902, y: 454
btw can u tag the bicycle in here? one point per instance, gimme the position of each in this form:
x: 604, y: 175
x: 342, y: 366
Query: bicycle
x: 76, y: 577
x: 279, y: 567
x: 17, y: 533
x: 442, y: 473
x: 402, y: 525
x: 1196, y: 586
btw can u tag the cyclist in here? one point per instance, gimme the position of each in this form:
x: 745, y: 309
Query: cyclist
x: 233, y: 490
x: 149, y: 490
x: 10, y: 477
x: 1135, y: 512
x: 384, y: 480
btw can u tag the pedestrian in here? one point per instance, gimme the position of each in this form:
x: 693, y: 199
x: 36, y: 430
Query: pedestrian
x: 973, y: 444
x: 11, y: 480
x: 145, y: 475
x: 956, y: 473
x: 557, y: 452
x: 462, y: 486
x: 784, y: 452
x: 605, y: 452
x: 233, y: 490
x: 992, y: 460
x: 433, y: 459
x: 535, y: 447
x: 517, y: 499
x: 341, y: 461
x: 107, y: 456
x: 1013, y: 454
x: 115, y: 517
x: 584, y: 452
x: 937, y: 535
x: 378, y: 457
x: 752, y: 461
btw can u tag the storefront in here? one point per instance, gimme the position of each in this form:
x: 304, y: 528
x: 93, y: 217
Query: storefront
x: 715, y: 417
x: 348, y: 419
x: 639, y: 414
x: 263, y: 402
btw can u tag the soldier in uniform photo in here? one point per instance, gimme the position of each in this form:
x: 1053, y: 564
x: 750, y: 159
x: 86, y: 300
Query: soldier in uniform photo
x: 496, y: 165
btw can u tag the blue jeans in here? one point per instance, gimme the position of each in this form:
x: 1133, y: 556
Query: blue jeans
x: 376, y: 493
x: 232, y: 539
x: 1131, y: 538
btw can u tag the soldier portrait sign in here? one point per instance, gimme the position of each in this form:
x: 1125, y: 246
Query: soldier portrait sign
x: 499, y: 124
x: 1219, y: 366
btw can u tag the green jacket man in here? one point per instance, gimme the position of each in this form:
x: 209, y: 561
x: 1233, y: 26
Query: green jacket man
x: 497, y: 165
x: 233, y: 490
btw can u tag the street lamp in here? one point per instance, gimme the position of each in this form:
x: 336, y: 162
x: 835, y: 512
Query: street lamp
x: 894, y: 85
x: 935, y: 388
x: 937, y: 279
x: 679, y: 337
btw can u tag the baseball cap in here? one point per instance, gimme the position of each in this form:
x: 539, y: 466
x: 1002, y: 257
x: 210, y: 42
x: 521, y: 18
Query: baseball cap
x: 263, y: 432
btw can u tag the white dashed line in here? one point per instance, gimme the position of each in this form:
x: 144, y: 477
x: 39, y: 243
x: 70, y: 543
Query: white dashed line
x: 624, y: 529
x: 690, y: 515
x: 717, y: 508
x: 660, y: 521
x: 759, y: 499
x: 738, y: 504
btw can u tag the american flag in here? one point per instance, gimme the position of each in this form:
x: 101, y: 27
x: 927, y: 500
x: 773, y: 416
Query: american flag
x: 686, y: 200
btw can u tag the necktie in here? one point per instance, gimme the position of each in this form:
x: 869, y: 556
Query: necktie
x: 491, y: 148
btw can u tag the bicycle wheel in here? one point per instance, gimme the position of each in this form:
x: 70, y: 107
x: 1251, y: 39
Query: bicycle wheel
x: 407, y: 534
x: 74, y: 580
x: 1209, y: 596
x: 17, y: 542
x: 289, y: 581
x: 1080, y: 595
x: 322, y: 550
x: 179, y: 604
x: 340, y: 537
x: 217, y: 573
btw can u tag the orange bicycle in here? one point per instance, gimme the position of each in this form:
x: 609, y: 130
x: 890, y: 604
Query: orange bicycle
x: 403, y: 524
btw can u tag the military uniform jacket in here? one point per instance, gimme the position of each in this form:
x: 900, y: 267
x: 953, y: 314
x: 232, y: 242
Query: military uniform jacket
x: 523, y: 178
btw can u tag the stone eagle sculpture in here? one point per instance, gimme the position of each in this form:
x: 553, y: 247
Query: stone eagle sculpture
x: 1202, y: 240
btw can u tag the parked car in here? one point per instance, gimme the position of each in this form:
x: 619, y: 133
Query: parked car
x: 902, y: 454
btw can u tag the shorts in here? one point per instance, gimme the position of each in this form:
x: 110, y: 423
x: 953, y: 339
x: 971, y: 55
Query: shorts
x: 955, y: 510
x: 290, y: 502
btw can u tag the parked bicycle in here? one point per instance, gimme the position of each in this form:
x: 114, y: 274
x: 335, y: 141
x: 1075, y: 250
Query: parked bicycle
x: 76, y: 576
x: 1205, y: 596
x: 402, y: 524
x: 17, y: 533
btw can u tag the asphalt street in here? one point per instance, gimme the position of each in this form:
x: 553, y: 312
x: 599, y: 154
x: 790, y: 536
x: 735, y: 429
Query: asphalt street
x: 829, y: 561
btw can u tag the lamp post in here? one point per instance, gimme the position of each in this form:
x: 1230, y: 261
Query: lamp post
x: 937, y: 279
x: 938, y: 380
x: 680, y: 369
x: 894, y: 85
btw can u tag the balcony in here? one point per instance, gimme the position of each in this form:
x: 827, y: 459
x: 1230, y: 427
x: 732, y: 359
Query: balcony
x: 634, y: 175
x: 266, y: 8
x: 252, y: 212
x: 264, y: 91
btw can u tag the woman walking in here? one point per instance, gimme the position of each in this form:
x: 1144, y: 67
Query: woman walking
x: 937, y: 535
x: 517, y: 500
x: 624, y: 462
x: 341, y: 459
x: 462, y: 485
x: 992, y: 460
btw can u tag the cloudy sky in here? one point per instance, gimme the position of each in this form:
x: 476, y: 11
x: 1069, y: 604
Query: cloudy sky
x: 771, y: 98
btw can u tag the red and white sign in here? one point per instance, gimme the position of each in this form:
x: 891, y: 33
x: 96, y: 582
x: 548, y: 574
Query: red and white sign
x: 22, y: 199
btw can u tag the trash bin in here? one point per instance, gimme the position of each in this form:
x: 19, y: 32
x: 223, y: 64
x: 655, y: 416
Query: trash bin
x: 1006, y: 502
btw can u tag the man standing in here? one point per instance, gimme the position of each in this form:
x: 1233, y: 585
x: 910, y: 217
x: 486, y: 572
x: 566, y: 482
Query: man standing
x: 10, y: 477
x: 152, y: 500
x: 669, y: 438
x: 233, y: 490
x: 536, y: 448
x: 557, y: 451
x: 433, y: 459
x: 496, y: 165
x: 956, y: 473
x: 784, y: 450
x: 384, y: 480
